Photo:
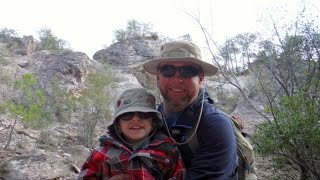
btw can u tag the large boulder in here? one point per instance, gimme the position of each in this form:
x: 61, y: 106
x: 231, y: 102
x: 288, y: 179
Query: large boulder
x: 125, y: 59
x: 127, y: 54
x: 36, y: 154
x: 68, y: 67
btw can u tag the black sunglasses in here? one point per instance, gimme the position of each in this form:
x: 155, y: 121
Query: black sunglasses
x: 142, y: 115
x: 185, y: 71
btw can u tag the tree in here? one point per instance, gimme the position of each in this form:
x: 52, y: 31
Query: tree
x: 134, y: 31
x: 93, y: 105
x: 285, y: 71
x: 60, y: 101
x: 290, y: 82
x: 294, y: 137
x: 29, y: 106
x: 48, y: 41
x: 11, y: 40
x: 6, y: 35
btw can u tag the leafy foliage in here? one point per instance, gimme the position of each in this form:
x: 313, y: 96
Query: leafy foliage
x: 289, y: 77
x: 60, y: 101
x: 48, y: 41
x: 30, y: 106
x: 295, y: 136
x: 285, y: 73
x: 10, y: 39
x: 135, y: 30
x: 238, y: 52
x: 93, y: 106
x: 6, y: 35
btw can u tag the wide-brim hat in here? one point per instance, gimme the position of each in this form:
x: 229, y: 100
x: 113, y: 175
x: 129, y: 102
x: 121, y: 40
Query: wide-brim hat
x: 180, y: 51
x: 136, y: 100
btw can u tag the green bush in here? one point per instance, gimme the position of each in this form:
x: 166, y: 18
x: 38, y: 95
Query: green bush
x: 60, y: 101
x: 93, y: 105
x: 294, y: 137
x: 29, y: 106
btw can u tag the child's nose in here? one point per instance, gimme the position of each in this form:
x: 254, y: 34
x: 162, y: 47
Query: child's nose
x: 136, y: 117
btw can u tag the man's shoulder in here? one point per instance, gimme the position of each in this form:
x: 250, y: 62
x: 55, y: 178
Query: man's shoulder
x: 212, y: 112
x: 215, y: 118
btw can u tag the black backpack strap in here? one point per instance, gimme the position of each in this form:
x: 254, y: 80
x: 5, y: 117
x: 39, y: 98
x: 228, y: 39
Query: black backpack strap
x: 193, y: 143
x: 189, y: 149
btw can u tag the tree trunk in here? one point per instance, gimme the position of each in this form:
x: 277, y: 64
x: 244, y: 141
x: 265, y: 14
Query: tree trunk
x: 10, y: 135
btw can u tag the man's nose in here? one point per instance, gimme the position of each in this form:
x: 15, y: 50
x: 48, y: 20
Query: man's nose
x: 178, y: 76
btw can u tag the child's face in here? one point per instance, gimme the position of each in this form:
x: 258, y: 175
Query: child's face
x: 135, y: 126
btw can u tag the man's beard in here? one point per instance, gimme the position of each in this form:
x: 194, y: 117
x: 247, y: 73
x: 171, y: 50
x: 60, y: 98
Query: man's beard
x: 175, y: 105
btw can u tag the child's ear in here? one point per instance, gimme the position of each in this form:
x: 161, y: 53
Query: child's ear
x: 117, y: 125
x: 154, y: 123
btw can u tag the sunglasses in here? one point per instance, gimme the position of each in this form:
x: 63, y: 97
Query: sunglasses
x: 142, y: 115
x: 184, y: 71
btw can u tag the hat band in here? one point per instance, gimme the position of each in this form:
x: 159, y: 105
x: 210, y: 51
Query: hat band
x: 177, y: 55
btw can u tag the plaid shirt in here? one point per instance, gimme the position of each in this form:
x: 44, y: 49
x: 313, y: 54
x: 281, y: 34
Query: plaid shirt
x: 158, y: 160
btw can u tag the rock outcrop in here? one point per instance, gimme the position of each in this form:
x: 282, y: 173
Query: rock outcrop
x: 32, y: 154
x: 125, y: 57
x: 57, y: 152
x: 128, y: 53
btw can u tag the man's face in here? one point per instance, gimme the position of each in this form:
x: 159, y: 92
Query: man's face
x: 178, y: 91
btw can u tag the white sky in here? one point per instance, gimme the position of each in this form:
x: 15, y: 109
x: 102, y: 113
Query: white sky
x: 88, y: 25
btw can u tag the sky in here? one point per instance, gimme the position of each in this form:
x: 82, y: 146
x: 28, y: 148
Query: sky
x: 89, y: 25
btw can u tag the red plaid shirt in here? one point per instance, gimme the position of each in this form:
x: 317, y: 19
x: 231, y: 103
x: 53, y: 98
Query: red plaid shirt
x: 159, y: 160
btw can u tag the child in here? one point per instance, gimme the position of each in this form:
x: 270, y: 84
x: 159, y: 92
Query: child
x: 134, y: 147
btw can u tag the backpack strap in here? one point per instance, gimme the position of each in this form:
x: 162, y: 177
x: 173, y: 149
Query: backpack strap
x: 190, y: 148
x: 243, y: 145
x: 193, y: 143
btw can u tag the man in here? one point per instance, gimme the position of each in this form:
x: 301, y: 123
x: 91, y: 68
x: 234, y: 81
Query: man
x: 189, y: 112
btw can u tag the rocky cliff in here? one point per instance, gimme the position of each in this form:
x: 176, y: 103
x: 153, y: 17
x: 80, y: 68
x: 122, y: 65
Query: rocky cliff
x: 26, y: 157
x: 58, y: 153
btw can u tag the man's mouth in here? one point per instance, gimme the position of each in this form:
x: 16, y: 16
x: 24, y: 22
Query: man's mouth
x: 176, y: 89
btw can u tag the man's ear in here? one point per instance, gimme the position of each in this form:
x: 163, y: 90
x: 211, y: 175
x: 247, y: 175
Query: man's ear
x: 158, y: 79
x: 201, y: 77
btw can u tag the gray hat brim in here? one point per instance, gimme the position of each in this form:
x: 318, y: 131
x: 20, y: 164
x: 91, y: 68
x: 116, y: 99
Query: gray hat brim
x: 207, y: 68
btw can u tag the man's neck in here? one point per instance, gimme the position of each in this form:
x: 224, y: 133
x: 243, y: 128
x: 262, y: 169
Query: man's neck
x: 170, y: 109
